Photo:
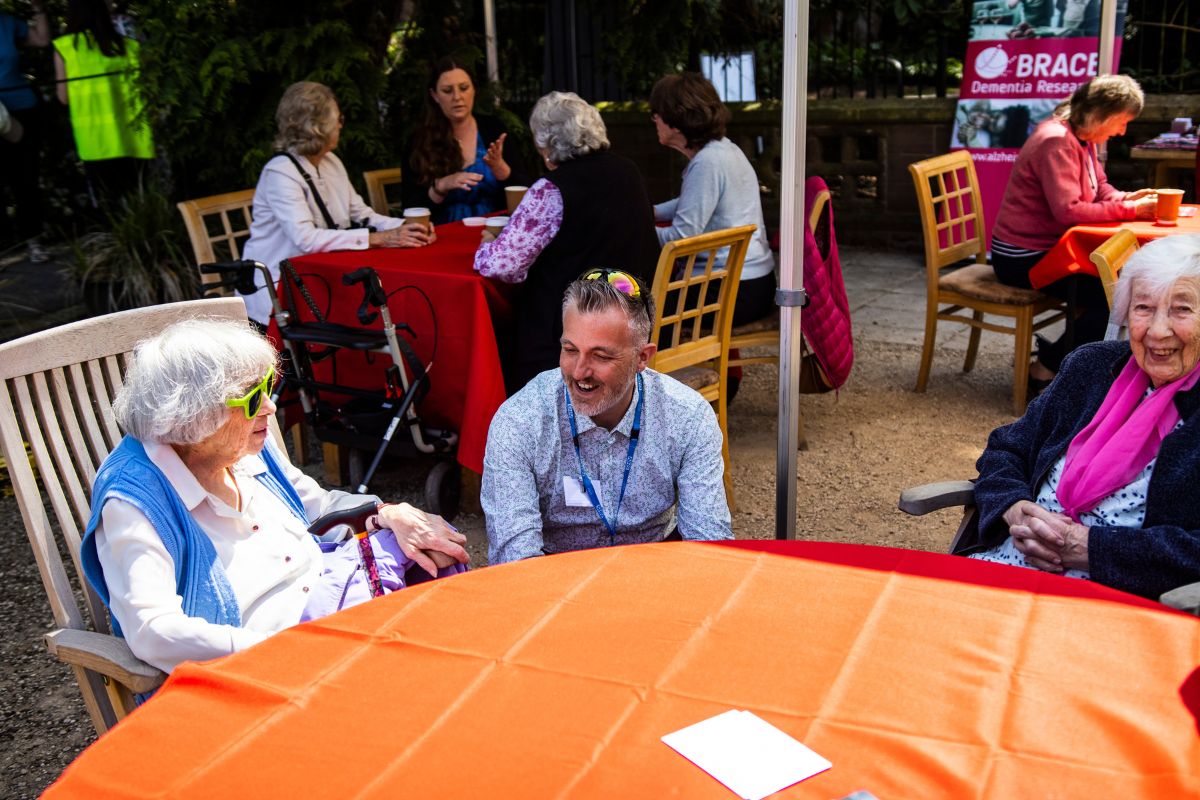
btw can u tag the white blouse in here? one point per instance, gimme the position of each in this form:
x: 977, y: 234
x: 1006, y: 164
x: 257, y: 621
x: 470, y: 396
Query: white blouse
x: 269, y: 557
x: 288, y: 223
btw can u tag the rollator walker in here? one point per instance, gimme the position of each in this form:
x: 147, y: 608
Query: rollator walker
x: 369, y: 421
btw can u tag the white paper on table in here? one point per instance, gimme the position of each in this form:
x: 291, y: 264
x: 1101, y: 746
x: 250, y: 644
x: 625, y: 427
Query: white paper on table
x: 746, y: 753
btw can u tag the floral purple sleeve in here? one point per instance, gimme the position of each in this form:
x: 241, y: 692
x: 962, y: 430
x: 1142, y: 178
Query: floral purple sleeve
x: 534, y: 225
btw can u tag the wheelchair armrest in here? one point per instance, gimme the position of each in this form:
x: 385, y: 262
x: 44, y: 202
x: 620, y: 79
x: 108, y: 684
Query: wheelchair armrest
x: 919, y: 500
x: 1185, y: 598
x: 105, y: 654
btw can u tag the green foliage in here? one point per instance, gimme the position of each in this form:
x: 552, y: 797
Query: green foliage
x: 137, y: 258
x: 213, y: 72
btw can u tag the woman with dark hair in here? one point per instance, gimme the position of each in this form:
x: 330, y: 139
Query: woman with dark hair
x: 458, y: 164
x: 720, y: 189
x: 112, y: 134
x: 1058, y: 182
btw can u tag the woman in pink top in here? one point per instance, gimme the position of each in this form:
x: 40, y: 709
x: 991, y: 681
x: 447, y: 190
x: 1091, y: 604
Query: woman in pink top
x: 1057, y: 183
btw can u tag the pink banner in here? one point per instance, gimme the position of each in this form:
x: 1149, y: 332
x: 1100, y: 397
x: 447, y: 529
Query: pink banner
x: 1024, y: 57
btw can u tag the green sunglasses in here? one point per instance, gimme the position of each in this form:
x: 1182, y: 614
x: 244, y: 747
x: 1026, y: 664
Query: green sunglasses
x: 252, y: 401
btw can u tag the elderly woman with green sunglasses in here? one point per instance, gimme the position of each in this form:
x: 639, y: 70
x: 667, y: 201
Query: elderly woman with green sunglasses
x: 198, y: 540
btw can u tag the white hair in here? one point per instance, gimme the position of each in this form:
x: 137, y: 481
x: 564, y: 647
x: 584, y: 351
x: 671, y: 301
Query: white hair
x: 1156, y: 267
x: 566, y: 127
x: 175, y: 389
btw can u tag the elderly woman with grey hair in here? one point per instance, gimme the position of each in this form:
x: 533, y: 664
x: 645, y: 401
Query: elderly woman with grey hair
x: 304, y: 202
x: 1098, y: 478
x: 590, y: 210
x: 198, y: 539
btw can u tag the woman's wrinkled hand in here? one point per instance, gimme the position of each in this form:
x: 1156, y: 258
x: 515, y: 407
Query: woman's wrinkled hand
x: 457, y: 180
x: 1146, y: 207
x: 410, y: 234
x: 494, y: 158
x: 1049, y: 541
x: 425, y: 538
x: 1140, y: 193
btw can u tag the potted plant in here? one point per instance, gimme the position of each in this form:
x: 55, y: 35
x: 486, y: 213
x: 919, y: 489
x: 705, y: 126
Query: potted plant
x: 139, y: 259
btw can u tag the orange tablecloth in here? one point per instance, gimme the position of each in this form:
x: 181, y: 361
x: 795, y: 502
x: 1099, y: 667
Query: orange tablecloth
x: 1071, y: 256
x: 918, y: 675
x: 467, y: 385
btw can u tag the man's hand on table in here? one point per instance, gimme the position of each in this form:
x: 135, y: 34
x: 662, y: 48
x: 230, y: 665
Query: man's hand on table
x: 410, y: 234
x: 425, y: 538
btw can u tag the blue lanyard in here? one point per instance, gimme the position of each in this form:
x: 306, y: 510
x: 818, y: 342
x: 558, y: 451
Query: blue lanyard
x: 583, y: 476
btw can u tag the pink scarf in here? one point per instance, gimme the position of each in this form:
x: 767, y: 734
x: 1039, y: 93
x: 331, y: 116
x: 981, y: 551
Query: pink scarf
x: 1121, y: 439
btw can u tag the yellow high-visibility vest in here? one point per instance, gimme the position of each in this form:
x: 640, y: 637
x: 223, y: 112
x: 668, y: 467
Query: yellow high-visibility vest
x: 106, y: 110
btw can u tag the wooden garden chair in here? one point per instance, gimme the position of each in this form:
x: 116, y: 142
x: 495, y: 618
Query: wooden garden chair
x: 378, y: 181
x: 1110, y: 258
x: 764, y: 333
x: 953, y: 225
x: 218, y: 227
x: 57, y: 392
x: 693, y: 333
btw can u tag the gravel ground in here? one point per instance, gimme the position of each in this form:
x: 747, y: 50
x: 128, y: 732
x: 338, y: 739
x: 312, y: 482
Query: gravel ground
x: 865, y: 445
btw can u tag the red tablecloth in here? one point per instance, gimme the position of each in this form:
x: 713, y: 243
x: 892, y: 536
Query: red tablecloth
x: 1071, y: 255
x: 466, y: 382
x: 918, y: 675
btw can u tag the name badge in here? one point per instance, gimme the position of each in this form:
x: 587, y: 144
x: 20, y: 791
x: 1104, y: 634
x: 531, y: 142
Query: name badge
x: 574, y: 494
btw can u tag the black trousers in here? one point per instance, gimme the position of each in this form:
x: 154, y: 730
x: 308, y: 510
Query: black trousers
x: 19, y: 164
x: 1091, y: 305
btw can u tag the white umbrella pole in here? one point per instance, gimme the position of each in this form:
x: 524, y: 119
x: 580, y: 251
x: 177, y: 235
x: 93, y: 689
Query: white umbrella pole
x: 489, y: 35
x: 1108, y: 31
x: 791, y: 258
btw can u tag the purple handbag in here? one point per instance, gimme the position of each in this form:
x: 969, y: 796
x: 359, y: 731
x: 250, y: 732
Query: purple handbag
x: 344, y: 581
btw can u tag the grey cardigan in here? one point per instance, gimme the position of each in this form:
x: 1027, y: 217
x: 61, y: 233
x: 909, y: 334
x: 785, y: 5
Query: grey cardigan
x: 720, y: 190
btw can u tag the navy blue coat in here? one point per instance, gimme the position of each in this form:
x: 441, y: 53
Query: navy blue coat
x: 1165, y: 551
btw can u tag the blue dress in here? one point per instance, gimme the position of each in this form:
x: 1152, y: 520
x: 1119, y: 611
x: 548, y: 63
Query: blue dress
x: 484, y: 198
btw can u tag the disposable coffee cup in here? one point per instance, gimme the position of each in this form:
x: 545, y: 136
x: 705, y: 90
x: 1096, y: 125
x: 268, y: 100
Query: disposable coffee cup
x: 474, y: 222
x: 514, y: 194
x: 420, y: 215
x: 1167, y: 211
x: 496, y: 224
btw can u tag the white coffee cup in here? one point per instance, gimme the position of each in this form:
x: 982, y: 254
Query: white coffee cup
x: 474, y: 222
x: 1181, y: 124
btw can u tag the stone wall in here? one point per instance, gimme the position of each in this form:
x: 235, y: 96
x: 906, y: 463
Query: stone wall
x: 862, y: 148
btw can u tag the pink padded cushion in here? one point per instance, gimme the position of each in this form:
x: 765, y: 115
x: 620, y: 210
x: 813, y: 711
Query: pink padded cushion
x: 979, y: 281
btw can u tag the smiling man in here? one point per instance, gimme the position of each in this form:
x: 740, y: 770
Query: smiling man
x: 602, y: 451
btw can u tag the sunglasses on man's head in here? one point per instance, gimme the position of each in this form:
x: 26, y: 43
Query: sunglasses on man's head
x: 252, y: 401
x: 623, y: 282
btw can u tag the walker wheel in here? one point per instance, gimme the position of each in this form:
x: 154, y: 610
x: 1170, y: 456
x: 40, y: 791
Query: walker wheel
x: 443, y: 490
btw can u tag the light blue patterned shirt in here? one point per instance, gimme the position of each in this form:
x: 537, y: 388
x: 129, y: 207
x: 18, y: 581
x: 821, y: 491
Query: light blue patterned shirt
x: 676, y: 471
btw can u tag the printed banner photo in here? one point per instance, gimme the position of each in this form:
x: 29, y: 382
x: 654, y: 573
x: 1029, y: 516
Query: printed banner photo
x: 1024, y: 57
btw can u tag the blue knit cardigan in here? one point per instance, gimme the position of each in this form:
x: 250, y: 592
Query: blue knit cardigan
x: 1165, y: 551
x: 129, y: 474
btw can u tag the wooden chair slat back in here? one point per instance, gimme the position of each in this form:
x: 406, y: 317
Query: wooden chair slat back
x: 951, y: 210
x: 1110, y: 258
x: 218, y: 227
x: 56, y: 390
x: 682, y: 292
x: 378, y: 181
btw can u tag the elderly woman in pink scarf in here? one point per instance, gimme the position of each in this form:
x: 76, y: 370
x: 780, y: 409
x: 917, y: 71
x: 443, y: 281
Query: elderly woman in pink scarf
x: 1100, y: 478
